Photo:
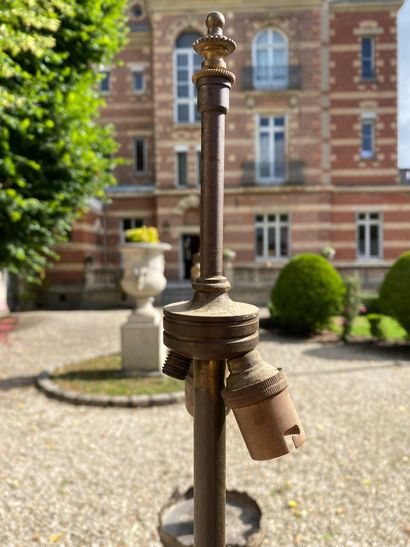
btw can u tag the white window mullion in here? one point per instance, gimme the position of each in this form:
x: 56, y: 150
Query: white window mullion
x: 367, y: 237
x: 265, y: 224
x: 192, y: 89
x: 265, y: 236
x: 367, y: 223
x: 184, y: 60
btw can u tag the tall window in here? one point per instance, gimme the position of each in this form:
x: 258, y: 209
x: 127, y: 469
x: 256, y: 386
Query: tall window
x: 186, y: 62
x: 271, y: 149
x: 105, y: 81
x: 182, y: 167
x: 128, y: 224
x: 272, y: 236
x: 140, y: 155
x: 369, y: 235
x: 198, y: 166
x: 138, y: 80
x: 368, y: 58
x: 368, y: 138
x: 270, y: 60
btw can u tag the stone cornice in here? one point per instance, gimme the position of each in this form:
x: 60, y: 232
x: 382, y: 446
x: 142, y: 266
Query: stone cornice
x: 285, y: 188
x: 132, y: 192
x: 197, y: 6
x: 317, y: 188
x: 364, y: 5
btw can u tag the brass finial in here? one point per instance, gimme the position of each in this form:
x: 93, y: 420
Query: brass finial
x: 214, y: 47
x: 214, y: 22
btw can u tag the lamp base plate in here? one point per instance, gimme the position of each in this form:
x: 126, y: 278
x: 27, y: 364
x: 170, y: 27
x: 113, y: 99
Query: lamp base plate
x: 243, y: 516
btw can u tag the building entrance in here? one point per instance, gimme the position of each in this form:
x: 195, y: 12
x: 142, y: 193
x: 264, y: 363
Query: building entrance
x: 190, y: 246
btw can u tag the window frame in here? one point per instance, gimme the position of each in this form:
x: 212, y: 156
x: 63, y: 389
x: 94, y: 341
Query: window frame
x: 369, y: 59
x: 107, y: 78
x: 368, y: 120
x: 194, y: 116
x: 134, y: 221
x: 144, y: 158
x: 198, y: 162
x: 181, y: 150
x: 367, y: 222
x: 277, y: 224
x: 271, y: 130
x: 281, y: 83
x: 131, y: 10
x: 135, y: 71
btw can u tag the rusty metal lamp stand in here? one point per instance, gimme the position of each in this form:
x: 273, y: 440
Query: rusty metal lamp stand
x: 211, y: 331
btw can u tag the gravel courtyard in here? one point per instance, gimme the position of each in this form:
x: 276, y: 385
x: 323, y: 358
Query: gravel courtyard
x: 98, y: 477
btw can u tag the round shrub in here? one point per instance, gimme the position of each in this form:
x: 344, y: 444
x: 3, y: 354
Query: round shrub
x: 307, y: 293
x: 395, y: 291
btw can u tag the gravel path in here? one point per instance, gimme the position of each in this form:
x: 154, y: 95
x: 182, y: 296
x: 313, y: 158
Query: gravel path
x: 98, y: 477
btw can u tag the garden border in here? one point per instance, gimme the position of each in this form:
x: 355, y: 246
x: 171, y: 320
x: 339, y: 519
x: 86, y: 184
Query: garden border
x: 45, y: 384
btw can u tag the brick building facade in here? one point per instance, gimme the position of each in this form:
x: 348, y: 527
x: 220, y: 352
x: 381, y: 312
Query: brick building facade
x: 311, y: 144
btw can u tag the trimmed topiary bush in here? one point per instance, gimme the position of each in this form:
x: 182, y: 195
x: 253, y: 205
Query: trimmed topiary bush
x: 307, y: 293
x: 395, y: 291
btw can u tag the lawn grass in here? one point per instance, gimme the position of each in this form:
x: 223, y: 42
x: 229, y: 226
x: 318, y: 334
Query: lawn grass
x: 102, y: 376
x: 391, y: 329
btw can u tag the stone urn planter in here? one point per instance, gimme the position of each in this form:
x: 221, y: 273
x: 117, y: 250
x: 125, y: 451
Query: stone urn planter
x: 141, y: 336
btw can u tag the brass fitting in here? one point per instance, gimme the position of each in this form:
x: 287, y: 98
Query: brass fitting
x: 176, y: 365
x: 259, y: 397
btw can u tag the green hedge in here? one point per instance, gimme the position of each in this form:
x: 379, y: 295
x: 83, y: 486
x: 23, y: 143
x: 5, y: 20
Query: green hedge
x: 307, y: 293
x: 395, y: 291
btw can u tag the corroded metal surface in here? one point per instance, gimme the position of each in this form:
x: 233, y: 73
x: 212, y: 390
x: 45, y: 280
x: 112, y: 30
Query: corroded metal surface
x: 209, y: 453
x: 259, y: 396
x: 211, y: 325
x: 243, y: 521
x: 211, y: 328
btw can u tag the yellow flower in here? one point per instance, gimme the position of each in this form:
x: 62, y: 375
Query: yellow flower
x: 142, y: 235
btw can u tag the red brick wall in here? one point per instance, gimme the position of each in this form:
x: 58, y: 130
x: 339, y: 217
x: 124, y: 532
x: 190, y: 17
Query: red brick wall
x: 336, y: 185
x: 351, y: 96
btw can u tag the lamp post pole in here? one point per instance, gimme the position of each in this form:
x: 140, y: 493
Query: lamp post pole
x: 211, y: 331
x: 213, y: 82
x: 209, y: 454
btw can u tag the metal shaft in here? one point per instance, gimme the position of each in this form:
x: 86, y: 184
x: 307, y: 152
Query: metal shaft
x: 209, y: 376
x: 212, y: 191
x: 209, y: 454
x: 213, y: 84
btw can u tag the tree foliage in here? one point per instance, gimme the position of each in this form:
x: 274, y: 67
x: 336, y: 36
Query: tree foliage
x: 53, y: 153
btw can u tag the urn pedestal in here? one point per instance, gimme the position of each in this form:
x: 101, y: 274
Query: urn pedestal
x: 142, y: 349
x: 4, y: 310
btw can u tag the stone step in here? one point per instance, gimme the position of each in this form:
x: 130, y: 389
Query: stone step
x: 175, y: 292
